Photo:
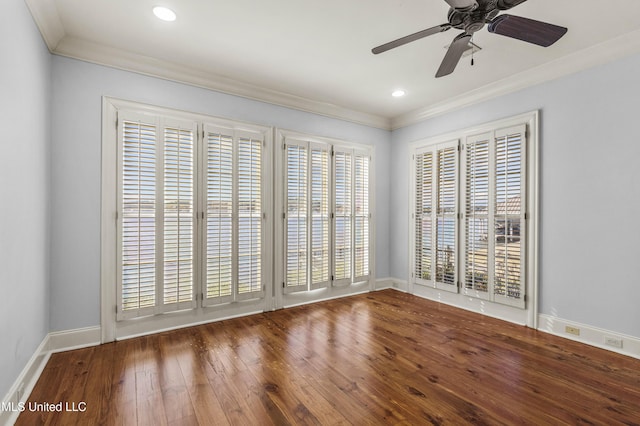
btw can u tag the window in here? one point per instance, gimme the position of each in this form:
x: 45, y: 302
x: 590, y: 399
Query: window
x: 495, y: 176
x: 157, y: 215
x: 352, y: 215
x: 233, y: 215
x: 469, y: 223
x: 190, y: 230
x: 326, y: 214
x: 307, y: 216
x: 436, y: 215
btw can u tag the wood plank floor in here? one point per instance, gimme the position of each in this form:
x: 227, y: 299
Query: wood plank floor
x: 379, y: 358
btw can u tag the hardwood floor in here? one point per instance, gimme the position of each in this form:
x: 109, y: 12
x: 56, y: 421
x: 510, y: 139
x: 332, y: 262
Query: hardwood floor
x: 379, y: 358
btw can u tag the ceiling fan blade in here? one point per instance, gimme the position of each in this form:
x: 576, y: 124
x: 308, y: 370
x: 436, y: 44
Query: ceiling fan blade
x: 463, y: 5
x: 451, y: 59
x: 525, y: 29
x: 412, y: 37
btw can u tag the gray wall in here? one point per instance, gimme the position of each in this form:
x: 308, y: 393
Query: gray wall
x: 24, y: 190
x: 589, y: 196
x: 78, y: 88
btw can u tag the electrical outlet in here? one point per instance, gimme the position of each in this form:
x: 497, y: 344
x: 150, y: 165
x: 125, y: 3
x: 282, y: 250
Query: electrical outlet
x: 572, y: 330
x: 613, y: 341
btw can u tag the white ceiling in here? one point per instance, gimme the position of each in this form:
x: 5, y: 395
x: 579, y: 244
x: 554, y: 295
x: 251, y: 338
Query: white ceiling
x: 316, y: 55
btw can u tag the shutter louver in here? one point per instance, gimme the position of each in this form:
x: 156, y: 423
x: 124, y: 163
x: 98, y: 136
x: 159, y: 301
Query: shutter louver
x: 220, y: 235
x: 477, y: 216
x: 178, y: 217
x: 435, y: 222
x: 446, y: 217
x: 296, y: 217
x: 487, y: 242
x: 191, y: 220
x: 249, y: 217
x: 307, y: 225
x: 423, y: 216
x: 509, y: 216
x: 138, y: 219
x: 342, y: 262
x: 361, y: 214
x: 319, y: 181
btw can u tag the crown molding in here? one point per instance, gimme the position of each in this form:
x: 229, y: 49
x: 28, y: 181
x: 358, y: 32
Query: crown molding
x: 103, y: 55
x: 47, y: 19
x: 598, y: 54
x: 45, y: 14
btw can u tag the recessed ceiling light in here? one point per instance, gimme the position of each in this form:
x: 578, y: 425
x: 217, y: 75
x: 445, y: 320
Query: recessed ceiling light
x: 398, y: 93
x: 164, y: 13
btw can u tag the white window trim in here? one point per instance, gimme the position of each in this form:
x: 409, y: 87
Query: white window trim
x: 365, y: 284
x: 528, y: 315
x: 110, y: 327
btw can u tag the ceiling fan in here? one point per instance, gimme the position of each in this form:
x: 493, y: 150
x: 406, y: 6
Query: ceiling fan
x: 471, y: 16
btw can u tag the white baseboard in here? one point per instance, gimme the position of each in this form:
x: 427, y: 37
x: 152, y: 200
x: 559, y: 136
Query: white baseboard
x: 383, y: 283
x: 394, y: 283
x: 58, y: 341
x: 590, y: 335
x: 24, y: 384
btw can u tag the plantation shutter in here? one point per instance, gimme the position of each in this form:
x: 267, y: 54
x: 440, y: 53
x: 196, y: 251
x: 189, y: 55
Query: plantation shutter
x: 423, y: 218
x: 362, y: 216
x: 250, y: 216
x: 296, y: 225
x: 477, y: 242
x: 509, y: 216
x: 446, y: 216
x: 494, y: 216
x: 343, y: 216
x: 307, y: 220
x: 320, y: 219
x: 179, y: 218
x: 234, y: 216
x: 137, y: 157
x: 482, y: 250
x: 156, y: 214
x: 220, y: 236
x: 435, y: 216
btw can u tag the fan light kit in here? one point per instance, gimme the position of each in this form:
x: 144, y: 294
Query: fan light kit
x: 471, y: 16
x: 164, y: 13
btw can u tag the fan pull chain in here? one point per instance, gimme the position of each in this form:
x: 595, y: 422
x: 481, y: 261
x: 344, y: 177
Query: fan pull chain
x: 472, y: 50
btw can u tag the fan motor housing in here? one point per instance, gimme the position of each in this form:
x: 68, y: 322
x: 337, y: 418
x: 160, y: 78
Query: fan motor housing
x: 508, y: 4
x: 472, y: 22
